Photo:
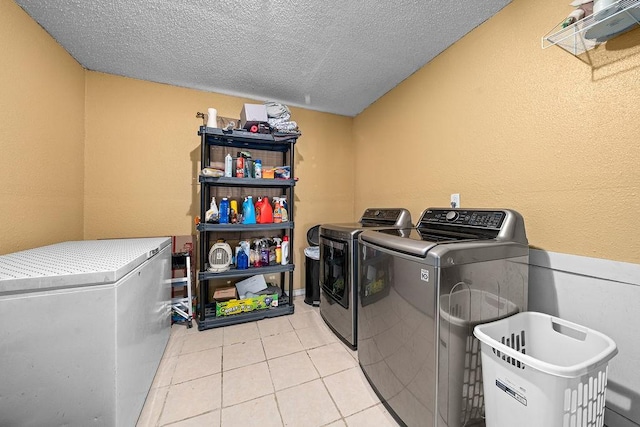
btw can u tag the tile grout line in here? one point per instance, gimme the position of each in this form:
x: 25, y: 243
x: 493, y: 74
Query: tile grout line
x: 275, y: 394
x: 313, y: 317
x: 334, y: 403
x: 222, y: 376
x: 172, y: 384
x: 188, y: 418
x: 376, y: 401
x: 267, y: 359
x: 164, y: 400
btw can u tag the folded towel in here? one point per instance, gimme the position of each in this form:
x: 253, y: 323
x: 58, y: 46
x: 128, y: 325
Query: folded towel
x: 279, y: 118
x: 277, y: 111
x: 283, y: 126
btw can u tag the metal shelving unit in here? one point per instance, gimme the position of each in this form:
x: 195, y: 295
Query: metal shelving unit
x: 240, y: 140
x: 589, y: 32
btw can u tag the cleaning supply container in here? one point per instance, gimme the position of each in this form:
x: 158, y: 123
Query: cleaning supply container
x: 248, y: 211
x: 540, y: 370
x: 224, y: 211
x: 285, y: 250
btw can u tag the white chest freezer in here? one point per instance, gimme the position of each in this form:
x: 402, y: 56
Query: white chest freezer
x: 83, y: 326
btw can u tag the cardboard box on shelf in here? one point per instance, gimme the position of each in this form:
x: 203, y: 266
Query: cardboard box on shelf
x: 225, y: 294
x: 282, y: 172
x: 236, y: 306
x: 253, y: 284
x: 268, y: 173
x: 253, y: 113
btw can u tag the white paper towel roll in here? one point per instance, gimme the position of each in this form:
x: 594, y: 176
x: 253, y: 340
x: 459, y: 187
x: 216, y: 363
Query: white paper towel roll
x: 212, y: 118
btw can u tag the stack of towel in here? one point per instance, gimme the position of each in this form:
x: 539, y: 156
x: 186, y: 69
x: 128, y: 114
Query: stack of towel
x: 279, y: 118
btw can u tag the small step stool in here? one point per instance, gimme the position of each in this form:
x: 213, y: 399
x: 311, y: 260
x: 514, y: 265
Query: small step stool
x: 182, y: 306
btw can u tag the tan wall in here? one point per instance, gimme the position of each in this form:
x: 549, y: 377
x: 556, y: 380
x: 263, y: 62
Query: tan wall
x: 494, y: 118
x: 41, y: 136
x: 143, y: 151
x: 507, y: 124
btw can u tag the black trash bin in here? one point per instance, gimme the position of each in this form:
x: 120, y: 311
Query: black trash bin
x: 312, y: 267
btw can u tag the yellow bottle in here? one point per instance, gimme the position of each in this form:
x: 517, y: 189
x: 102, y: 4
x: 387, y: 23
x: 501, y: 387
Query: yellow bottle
x: 278, y: 252
x: 233, y: 217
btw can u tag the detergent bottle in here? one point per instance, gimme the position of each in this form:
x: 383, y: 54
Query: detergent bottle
x: 248, y: 211
x: 266, y: 211
x: 284, y: 208
x: 285, y: 250
x: 258, y: 209
x: 243, y: 260
x: 277, y: 211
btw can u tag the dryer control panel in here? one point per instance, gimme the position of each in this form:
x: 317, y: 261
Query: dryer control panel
x: 485, y: 219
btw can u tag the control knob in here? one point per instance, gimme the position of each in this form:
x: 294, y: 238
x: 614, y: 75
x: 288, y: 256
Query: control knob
x: 452, y: 216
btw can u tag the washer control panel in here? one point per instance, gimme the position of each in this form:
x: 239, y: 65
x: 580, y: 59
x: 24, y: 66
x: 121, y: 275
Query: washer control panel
x: 381, y: 214
x: 463, y: 217
x: 399, y: 217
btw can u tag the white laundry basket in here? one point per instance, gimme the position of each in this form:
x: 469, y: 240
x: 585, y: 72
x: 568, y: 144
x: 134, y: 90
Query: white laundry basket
x: 460, y: 312
x: 539, y: 370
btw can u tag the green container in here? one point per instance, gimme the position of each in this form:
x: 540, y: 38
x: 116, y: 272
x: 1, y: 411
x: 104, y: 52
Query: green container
x: 236, y: 306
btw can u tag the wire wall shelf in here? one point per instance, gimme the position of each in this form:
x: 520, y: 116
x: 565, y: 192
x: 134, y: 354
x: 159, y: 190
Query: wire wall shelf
x: 597, y: 28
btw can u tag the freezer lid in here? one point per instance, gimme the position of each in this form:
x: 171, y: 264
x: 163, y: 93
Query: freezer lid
x: 76, y: 263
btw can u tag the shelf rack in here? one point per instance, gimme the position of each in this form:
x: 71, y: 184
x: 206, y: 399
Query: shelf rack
x: 242, y: 182
x: 245, y: 227
x: 589, y: 32
x: 241, y: 140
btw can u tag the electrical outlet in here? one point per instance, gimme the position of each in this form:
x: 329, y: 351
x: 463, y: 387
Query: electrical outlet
x: 455, y: 200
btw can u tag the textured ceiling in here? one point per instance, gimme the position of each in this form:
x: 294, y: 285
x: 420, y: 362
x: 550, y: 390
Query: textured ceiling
x: 335, y: 56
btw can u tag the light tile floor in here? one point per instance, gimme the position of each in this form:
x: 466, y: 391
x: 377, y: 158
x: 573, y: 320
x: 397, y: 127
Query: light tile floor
x: 285, y: 371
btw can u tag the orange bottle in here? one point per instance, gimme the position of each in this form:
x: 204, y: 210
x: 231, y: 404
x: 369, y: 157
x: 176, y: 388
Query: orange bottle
x: 258, y: 208
x: 266, y: 211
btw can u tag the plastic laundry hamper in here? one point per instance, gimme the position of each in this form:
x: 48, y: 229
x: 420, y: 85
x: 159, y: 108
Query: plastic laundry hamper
x: 540, y: 370
x: 460, y: 311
